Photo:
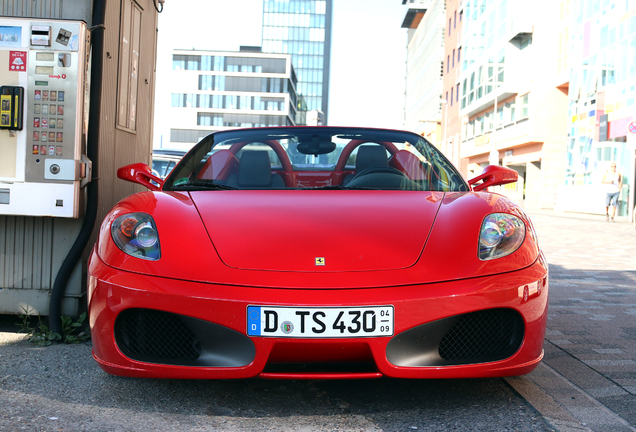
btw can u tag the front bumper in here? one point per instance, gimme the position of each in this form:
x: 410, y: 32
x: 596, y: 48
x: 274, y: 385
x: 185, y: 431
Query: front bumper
x: 134, y: 317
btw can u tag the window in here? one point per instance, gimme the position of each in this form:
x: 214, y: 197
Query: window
x: 488, y: 121
x: 457, y: 94
x: 464, y: 95
x: 448, y: 63
x: 451, y: 98
x: 509, y: 112
x: 523, y: 105
x: 455, y: 20
x: 449, y: 26
x: 459, y: 54
x: 479, y: 125
x: 453, y: 58
x: 128, y: 76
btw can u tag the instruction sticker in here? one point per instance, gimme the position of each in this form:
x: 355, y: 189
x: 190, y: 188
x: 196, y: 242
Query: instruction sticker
x: 17, y: 61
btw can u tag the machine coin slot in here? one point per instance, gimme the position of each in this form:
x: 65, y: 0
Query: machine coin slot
x: 63, y: 37
x: 40, y: 35
x: 11, y: 108
x: 64, y: 60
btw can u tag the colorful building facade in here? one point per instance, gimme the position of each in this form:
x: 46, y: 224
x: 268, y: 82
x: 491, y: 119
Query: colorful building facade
x: 601, y: 104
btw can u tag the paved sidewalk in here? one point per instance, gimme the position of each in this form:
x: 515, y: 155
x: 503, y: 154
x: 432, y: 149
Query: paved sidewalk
x: 590, y: 363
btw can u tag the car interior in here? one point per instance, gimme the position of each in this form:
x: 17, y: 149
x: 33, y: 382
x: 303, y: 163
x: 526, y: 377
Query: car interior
x: 315, y: 160
x: 375, y: 166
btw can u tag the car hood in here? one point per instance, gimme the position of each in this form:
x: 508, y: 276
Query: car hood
x: 325, y: 231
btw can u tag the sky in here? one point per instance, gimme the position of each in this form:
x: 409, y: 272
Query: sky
x: 368, y: 53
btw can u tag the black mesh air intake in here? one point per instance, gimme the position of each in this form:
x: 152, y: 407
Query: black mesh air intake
x: 486, y: 335
x: 475, y: 337
x: 155, y: 336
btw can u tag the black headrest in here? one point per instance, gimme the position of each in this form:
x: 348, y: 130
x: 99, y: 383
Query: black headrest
x: 255, y: 169
x: 371, y: 156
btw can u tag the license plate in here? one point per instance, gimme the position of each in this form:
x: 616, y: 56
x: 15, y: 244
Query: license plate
x: 320, y: 322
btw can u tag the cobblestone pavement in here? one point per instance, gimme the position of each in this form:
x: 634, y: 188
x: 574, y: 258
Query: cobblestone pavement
x: 589, y: 367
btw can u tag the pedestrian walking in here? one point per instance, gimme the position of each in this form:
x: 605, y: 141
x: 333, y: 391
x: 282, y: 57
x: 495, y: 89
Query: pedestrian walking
x: 613, y: 182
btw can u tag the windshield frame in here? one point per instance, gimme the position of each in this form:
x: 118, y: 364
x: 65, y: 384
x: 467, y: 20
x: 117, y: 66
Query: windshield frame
x: 196, y: 155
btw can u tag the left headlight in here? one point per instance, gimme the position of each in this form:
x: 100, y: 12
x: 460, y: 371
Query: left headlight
x: 501, y: 234
x: 136, y: 235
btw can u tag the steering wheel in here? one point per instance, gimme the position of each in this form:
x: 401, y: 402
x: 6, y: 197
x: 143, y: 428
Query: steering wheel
x: 378, y: 170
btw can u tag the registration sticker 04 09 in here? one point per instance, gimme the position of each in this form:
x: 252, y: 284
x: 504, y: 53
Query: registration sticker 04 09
x: 320, y: 322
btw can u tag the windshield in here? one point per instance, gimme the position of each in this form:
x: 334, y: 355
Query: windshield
x: 315, y: 158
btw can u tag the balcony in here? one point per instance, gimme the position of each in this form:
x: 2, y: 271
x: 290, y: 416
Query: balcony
x: 415, y: 13
x: 509, y: 135
x: 506, y: 90
x: 519, y: 26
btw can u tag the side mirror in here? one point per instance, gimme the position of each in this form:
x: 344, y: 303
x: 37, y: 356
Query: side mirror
x: 493, y: 175
x: 140, y: 173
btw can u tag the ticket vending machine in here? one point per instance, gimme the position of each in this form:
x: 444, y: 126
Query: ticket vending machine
x: 44, y: 116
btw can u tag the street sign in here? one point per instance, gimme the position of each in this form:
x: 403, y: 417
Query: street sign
x: 632, y: 127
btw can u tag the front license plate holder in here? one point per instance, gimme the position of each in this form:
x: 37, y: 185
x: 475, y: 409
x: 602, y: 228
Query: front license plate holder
x: 319, y: 322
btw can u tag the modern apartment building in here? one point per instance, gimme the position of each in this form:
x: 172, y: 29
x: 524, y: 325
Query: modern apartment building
x: 217, y: 90
x: 601, y: 46
x: 512, y: 100
x: 452, y: 83
x: 424, y: 21
x: 302, y: 28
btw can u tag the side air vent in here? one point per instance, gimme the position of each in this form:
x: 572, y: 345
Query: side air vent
x: 476, y: 337
x: 486, y: 335
x: 154, y: 336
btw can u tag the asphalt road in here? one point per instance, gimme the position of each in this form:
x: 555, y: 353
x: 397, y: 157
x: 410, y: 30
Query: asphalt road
x: 586, y: 382
x: 60, y: 388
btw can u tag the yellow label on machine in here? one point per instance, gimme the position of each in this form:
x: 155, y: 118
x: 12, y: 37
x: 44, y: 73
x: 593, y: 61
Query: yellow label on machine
x: 5, y: 111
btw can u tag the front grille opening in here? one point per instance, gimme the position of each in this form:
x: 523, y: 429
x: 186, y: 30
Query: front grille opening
x: 320, y: 368
x: 487, y: 335
x: 155, y: 336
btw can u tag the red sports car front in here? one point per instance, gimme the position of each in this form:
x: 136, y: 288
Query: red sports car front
x: 317, y: 252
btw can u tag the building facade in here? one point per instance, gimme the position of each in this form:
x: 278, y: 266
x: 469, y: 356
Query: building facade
x: 452, y: 83
x: 218, y: 90
x: 512, y: 102
x: 601, y: 46
x: 302, y: 29
x: 424, y: 106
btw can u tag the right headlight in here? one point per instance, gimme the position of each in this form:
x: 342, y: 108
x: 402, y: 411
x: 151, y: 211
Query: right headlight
x: 501, y: 234
x: 136, y: 235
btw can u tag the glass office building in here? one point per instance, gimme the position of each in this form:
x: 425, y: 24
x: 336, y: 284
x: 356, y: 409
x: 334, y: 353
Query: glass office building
x: 218, y: 90
x: 302, y: 28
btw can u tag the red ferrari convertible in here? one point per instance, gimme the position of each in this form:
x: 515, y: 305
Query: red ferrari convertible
x: 317, y: 252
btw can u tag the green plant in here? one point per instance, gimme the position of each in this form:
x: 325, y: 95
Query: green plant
x: 42, y: 335
x: 72, y: 331
x: 25, y: 325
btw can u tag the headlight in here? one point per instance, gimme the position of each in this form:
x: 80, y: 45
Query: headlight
x: 501, y: 234
x: 136, y: 235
